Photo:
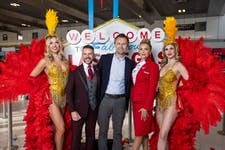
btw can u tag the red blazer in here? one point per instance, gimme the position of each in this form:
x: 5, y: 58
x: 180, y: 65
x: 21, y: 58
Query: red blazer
x: 144, y: 89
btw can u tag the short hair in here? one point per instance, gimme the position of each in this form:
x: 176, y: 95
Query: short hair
x: 121, y: 35
x: 88, y: 46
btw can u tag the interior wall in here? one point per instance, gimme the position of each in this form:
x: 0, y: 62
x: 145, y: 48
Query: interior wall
x: 214, y: 34
x: 215, y: 30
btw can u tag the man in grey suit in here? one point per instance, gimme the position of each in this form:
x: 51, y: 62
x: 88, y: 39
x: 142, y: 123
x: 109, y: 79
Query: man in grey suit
x: 115, y: 81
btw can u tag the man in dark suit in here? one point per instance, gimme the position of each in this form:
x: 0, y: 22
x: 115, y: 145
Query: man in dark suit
x: 82, y: 96
x: 115, y: 75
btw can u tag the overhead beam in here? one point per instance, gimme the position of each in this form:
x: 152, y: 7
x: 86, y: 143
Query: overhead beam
x: 23, y: 18
x: 223, y: 10
x: 11, y: 21
x: 8, y: 29
x: 139, y: 11
x: 64, y: 9
x: 216, y: 7
x: 154, y: 13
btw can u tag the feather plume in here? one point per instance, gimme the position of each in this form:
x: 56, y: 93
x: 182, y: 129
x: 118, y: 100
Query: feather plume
x: 51, y: 22
x: 170, y: 28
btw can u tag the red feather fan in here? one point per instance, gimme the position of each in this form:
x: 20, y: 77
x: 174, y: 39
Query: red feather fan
x: 15, y: 80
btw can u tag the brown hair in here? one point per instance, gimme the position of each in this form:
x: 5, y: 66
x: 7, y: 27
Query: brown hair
x: 88, y: 46
x: 121, y: 35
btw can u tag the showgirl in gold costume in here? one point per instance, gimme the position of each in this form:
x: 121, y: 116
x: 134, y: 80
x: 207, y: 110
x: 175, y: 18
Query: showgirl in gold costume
x: 55, y: 66
x: 184, y: 87
x: 170, y: 73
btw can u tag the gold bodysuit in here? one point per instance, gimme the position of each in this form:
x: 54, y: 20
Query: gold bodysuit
x: 58, y: 80
x: 166, y: 90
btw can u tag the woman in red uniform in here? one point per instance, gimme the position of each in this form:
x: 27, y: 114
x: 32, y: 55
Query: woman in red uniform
x: 145, y: 78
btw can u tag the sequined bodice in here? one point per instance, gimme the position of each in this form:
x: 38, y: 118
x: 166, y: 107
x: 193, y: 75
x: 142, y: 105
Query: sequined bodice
x: 166, y: 89
x: 58, y: 80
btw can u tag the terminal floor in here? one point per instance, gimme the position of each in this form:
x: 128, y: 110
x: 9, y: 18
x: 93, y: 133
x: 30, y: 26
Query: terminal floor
x: 212, y: 141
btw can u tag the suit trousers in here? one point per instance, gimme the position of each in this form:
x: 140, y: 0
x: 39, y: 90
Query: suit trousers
x: 117, y: 108
x: 90, y: 122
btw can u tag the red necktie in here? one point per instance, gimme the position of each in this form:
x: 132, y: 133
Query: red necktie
x: 90, y: 73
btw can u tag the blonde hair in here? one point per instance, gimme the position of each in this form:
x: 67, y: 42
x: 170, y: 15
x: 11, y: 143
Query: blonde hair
x: 164, y: 61
x: 146, y: 41
x: 48, y: 52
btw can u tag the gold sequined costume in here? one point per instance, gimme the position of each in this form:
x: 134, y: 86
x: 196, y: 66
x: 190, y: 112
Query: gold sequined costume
x: 166, y: 90
x: 58, y: 80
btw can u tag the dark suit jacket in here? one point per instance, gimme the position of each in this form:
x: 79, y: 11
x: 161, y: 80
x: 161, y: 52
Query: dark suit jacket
x: 77, y: 91
x: 104, y: 67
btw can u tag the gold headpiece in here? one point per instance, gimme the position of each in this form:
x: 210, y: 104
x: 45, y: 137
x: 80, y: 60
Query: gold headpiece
x: 51, y: 21
x: 170, y: 28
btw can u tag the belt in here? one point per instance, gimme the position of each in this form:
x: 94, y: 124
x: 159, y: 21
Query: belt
x: 115, y: 95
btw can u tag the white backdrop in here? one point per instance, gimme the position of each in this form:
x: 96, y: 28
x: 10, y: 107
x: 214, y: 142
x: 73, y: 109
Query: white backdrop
x: 102, y: 39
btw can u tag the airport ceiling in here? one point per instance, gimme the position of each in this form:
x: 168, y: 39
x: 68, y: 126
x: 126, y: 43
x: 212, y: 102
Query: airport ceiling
x: 31, y: 13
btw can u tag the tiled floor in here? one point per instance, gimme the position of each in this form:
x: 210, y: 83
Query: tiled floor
x: 213, y: 141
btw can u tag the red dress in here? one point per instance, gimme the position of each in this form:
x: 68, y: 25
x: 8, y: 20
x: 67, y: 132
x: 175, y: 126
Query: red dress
x: 142, y: 96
